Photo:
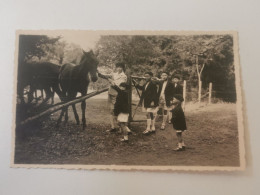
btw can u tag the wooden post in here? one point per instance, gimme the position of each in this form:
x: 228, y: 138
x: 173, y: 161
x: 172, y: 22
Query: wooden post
x: 210, y: 92
x: 130, y: 98
x: 199, y: 91
x: 184, y: 95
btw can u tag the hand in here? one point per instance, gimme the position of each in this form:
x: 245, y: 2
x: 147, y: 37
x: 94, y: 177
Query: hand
x: 154, y: 79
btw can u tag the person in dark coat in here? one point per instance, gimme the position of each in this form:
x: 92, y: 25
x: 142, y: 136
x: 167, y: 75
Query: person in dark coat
x: 121, y: 109
x: 165, y: 95
x: 149, y: 101
x: 178, y: 120
x: 176, y: 90
x: 117, y: 77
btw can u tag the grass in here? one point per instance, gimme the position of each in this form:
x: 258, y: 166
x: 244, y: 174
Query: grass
x: 212, y: 140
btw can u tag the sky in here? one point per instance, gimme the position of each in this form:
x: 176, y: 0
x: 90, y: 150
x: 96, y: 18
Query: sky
x: 85, y: 39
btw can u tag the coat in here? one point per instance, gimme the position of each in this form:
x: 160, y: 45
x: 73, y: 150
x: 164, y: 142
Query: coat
x: 149, y: 95
x: 121, y: 104
x: 178, y: 89
x: 168, y: 92
x: 178, y: 118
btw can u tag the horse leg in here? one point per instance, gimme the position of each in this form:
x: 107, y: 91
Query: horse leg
x: 52, y: 96
x: 20, y: 93
x: 66, y: 115
x: 60, y: 117
x: 48, y: 94
x: 36, y: 96
x: 42, y: 94
x: 30, y: 94
x: 83, y: 108
x: 75, y: 113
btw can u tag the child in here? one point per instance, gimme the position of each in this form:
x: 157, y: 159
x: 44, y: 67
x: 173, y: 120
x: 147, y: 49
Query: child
x: 165, y: 96
x: 178, y: 120
x: 177, y: 89
x: 121, y: 109
x: 149, y: 102
x: 115, y: 79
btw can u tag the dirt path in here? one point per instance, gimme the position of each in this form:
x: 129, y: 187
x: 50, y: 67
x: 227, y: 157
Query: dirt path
x: 212, y: 140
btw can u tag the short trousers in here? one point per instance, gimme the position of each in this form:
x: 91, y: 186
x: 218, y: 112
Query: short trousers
x: 153, y: 110
x: 162, y: 104
x: 122, y: 117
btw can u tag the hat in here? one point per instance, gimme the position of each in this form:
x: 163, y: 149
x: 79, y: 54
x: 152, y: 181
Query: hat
x: 178, y: 97
x: 176, y: 76
x: 150, y: 73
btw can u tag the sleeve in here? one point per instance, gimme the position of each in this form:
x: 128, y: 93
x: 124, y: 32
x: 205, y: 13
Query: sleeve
x: 117, y: 88
x: 181, y: 90
x: 108, y: 76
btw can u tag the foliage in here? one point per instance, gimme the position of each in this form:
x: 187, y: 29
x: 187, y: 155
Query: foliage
x: 208, y: 58
x: 194, y: 57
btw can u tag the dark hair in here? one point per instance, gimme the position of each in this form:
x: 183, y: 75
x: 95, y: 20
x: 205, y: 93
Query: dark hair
x: 176, y: 76
x: 164, y: 72
x: 150, y: 73
x: 123, y: 84
x: 121, y: 64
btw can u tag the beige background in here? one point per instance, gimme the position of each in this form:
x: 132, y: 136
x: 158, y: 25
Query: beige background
x: 130, y: 15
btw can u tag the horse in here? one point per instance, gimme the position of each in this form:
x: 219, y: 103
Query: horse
x: 74, y: 79
x: 41, y: 75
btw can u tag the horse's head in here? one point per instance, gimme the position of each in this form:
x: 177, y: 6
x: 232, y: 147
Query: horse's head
x: 90, y: 61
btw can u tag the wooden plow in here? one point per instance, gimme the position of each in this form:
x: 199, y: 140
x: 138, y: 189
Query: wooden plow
x: 60, y: 106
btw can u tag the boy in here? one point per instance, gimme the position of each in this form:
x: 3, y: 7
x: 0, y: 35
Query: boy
x: 165, y: 96
x: 178, y: 120
x: 115, y: 79
x: 177, y: 88
x: 121, y: 109
x: 149, y: 102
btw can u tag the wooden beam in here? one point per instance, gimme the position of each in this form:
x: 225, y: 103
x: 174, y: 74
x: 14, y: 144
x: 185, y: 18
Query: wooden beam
x: 61, y: 106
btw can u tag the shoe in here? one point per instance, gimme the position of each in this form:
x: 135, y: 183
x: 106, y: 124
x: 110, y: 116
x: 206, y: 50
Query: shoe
x: 152, y: 131
x: 146, y: 132
x: 111, y: 130
x: 124, y: 140
x: 179, y: 149
x: 129, y: 132
x: 162, y: 127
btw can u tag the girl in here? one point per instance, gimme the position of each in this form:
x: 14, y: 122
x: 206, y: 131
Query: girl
x: 178, y: 120
x: 121, y: 109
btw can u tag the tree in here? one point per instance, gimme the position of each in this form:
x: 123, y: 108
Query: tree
x: 195, y: 58
x: 34, y: 46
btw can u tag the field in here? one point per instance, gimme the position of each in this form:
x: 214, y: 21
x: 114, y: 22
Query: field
x: 211, y: 139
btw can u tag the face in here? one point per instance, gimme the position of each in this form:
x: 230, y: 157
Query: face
x: 93, y: 63
x: 175, y: 80
x: 147, y: 77
x: 164, y: 76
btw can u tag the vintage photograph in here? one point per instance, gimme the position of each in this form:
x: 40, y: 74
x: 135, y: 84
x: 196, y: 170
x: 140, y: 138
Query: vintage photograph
x: 128, y: 100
